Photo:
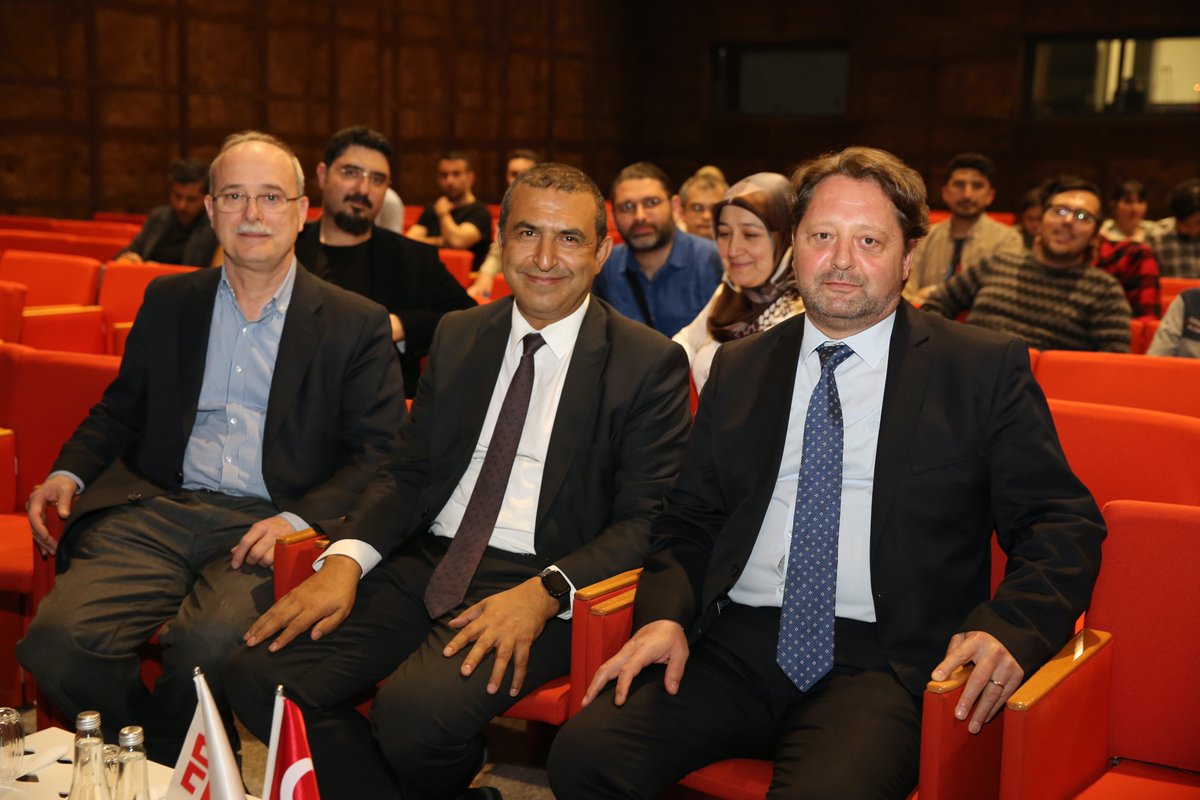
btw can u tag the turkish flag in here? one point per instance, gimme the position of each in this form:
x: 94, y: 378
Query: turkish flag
x: 289, y: 774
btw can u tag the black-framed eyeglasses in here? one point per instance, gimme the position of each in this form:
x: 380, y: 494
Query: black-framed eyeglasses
x: 268, y: 202
x: 1076, y: 214
x: 353, y: 173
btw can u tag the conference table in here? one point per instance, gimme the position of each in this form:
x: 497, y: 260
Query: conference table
x: 51, y: 750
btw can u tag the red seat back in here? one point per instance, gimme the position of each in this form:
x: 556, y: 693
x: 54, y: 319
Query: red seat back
x: 1122, y: 379
x: 1130, y: 453
x: 50, y: 278
x: 100, y: 248
x: 12, y: 303
x: 1171, y: 287
x: 44, y: 395
x: 1146, y: 597
x: 122, y: 287
x: 458, y: 263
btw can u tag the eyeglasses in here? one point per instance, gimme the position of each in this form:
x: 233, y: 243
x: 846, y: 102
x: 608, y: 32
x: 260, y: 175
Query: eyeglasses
x: 700, y: 208
x: 270, y: 203
x: 353, y: 174
x: 649, y: 204
x: 1076, y: 214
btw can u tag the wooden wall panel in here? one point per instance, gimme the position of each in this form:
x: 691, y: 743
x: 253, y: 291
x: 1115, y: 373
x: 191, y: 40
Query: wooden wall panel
x: 96, y: 96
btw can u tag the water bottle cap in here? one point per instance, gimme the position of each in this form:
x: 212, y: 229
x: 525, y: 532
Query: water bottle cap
x: 87, y: 721
x: 131, y: 735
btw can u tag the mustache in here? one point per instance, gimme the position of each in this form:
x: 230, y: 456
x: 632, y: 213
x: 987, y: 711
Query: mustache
x: 358, y: 198
x: 254, y: 228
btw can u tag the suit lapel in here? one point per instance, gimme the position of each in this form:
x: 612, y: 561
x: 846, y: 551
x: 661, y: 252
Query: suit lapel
x: 576, y: 417
x: 195, y: 321
x: 903, y: 397
x: 303, y: 328
x: 769, y: 413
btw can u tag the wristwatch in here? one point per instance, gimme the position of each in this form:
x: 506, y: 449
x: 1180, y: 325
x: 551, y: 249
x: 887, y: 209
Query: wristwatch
x: 556, y: 586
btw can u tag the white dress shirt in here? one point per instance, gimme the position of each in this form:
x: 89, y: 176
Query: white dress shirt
x: 515, y: 523
x: 860, y: 381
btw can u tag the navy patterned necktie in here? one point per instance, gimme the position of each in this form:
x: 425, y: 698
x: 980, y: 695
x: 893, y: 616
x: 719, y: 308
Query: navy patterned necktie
x: 805, y: 650
x: 448, y: 583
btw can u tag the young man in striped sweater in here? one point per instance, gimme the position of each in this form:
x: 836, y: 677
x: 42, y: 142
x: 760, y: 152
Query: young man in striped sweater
x: 1052, y: 297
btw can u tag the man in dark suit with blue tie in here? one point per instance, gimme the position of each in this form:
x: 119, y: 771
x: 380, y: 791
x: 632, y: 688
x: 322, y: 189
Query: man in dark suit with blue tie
x: 544, y: 434
x: 825, y: 550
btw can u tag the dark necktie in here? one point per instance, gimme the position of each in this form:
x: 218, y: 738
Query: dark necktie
x: 805, y: 650
x: 448, y: 584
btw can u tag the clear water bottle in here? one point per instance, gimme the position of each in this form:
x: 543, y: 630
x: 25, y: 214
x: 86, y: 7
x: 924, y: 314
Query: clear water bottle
x: 133, y: 781
x: 88, y: 781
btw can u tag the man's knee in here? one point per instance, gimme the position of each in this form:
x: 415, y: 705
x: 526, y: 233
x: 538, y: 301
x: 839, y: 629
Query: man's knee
x: 586, y: 759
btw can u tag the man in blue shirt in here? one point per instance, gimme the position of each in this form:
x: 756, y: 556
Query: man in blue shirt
x: 253, y: 400
x: 660, y: 276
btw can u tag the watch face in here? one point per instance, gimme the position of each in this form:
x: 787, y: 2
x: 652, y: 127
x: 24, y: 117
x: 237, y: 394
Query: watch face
x: 555, y: 583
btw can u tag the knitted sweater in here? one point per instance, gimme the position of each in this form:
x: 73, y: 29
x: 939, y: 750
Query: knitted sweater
x: 1051, y: 308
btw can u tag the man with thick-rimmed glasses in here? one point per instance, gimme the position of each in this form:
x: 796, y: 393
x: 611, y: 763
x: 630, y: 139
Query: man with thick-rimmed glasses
x: 253, y: 400
x: 347, y: 248
x: 1052, y: 297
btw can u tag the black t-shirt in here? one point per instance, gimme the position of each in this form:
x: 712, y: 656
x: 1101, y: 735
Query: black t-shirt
x: 476, y: 213
x: 169, y: 247
x: 347, y: 267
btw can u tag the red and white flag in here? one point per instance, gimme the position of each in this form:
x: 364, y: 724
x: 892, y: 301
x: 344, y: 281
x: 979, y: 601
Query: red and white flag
x: 289, y: 774
x: 206, y: 769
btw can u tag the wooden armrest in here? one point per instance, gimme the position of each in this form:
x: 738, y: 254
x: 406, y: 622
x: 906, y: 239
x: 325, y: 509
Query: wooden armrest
x: 1082, y: 647
x: 957, y: 679
x: 304, y: 536
x: 613, y: 604
x: 609, y: 585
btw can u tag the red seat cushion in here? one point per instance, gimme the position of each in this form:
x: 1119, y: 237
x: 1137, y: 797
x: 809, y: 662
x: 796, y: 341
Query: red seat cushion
x: 16, y: 554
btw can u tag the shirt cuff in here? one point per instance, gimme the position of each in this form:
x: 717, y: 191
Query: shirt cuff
x: 293, y: 520
x: 72, y: 476
x: 366, y: 556
x: 570, y: 595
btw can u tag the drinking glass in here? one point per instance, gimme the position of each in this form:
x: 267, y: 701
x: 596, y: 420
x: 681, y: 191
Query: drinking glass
x: 12, y: 743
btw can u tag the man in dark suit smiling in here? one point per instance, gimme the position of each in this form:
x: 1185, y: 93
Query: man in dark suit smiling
x: 252, y: 401
x: 544, y: 433
x: 826, y: 547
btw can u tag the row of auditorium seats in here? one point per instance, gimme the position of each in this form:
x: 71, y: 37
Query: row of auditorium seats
x: 73, y: 303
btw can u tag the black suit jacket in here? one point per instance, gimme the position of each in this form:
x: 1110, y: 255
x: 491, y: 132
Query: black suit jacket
x: 197, y: 251
x: 966, y: 445
x: 617, y: 440
x: 408, y: 279
x: 334, y: 407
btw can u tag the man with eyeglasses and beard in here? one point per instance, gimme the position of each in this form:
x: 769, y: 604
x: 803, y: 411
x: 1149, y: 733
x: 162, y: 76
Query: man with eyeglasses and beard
x: 1052, y: 297
x: 253, y: 400
x: 660, y: 276
x: 346, y: 248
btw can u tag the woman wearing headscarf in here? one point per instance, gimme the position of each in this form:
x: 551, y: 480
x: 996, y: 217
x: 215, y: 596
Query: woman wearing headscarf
x: 758, y: 289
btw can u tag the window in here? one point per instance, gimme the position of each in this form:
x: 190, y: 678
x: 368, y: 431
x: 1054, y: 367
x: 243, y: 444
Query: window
x: 780, y: 80
x: 1116, y: 76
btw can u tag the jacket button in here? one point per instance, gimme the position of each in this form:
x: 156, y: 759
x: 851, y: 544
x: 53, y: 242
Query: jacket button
x: 736, y: 569
x: 179, y: 477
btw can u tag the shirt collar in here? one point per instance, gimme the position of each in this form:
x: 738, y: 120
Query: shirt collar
x: 560, y: 336
x: 870, y: 345
x: 279, y: 301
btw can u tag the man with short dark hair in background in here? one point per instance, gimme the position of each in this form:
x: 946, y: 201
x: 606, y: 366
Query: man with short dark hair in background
x: 660, y: 276
x: 694, y: 204
x: 518, y: 161
x: 1176, y: 239
x: 345, y: 247
x: 969, y: 236
x: 179, y: 232
x: 456, y: 219
x: 1052, y: 297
